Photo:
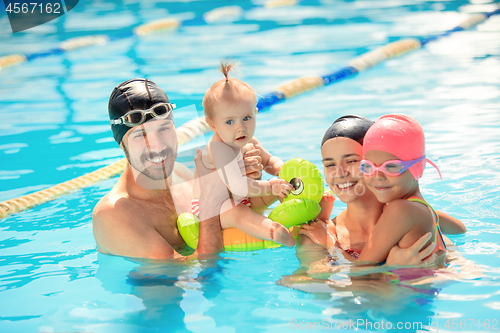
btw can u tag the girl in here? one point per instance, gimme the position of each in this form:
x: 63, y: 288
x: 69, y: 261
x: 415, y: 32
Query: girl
x: 394, y: 160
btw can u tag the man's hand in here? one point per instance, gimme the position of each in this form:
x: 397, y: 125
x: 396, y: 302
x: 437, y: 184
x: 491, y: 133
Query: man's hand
x: 280, y: 188
x: 252, y: 162
x: 414, y: 254
x: 213, y: 193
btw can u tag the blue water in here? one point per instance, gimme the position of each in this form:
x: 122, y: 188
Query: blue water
x: 54, y: 127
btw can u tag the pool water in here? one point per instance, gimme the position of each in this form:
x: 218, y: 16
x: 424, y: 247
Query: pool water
x: 54, y: 127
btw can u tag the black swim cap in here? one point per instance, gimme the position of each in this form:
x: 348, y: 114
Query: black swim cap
x: 135, y: 94
x: 352, y: 127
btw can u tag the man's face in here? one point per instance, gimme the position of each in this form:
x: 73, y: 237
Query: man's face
x: 151, y: 148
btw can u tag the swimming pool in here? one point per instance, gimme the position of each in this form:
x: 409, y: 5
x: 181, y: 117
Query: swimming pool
x: 54, y: 128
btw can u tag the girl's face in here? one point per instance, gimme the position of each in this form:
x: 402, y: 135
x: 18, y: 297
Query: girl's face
x: 387, y: 188
x: 341, y: 157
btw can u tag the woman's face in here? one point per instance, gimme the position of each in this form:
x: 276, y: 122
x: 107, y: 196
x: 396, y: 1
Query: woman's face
x: 341, y: 157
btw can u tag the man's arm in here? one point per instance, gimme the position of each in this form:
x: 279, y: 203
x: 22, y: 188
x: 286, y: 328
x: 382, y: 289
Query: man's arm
x: 213, y: 193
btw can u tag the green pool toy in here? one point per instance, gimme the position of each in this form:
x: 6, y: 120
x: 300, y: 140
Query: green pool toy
x: 189, y: 228
x: 302, y: 204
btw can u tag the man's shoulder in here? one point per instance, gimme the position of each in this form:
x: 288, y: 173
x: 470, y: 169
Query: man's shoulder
x: 113, y: 207
x: 120, y: 227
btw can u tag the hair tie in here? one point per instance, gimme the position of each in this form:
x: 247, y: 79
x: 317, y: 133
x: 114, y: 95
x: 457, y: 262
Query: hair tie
x: 227, y: 78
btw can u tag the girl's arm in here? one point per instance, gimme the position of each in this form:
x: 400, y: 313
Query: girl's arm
x: 400, y: 219
x: 450, y: 225
x: 272, y: 164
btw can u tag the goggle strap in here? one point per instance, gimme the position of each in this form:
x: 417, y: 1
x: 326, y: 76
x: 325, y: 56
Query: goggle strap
x: 435, y: 166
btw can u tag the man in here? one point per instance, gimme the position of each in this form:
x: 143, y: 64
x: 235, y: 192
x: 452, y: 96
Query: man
x: 138, y: 217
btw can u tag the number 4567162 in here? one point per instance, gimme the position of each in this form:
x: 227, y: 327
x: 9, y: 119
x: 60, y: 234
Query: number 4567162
x: 471, y: 323
x: 33, y: 7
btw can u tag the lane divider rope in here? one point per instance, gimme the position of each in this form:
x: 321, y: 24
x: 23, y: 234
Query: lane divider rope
x: 185, y: 133
x: 212, y: 16
x: 362, y: 63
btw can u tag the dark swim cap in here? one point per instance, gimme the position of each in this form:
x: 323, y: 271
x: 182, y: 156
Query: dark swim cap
x: 352, y: 127
x: 135, y: 94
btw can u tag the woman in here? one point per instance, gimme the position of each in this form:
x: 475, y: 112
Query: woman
x: 342, y: 151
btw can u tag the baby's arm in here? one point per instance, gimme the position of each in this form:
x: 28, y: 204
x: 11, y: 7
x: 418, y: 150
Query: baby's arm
x: 271, y: 164
x: 261, y: 188
x: 400, y: 219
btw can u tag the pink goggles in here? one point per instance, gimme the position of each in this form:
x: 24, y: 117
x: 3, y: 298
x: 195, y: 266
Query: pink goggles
x: 390, y: 168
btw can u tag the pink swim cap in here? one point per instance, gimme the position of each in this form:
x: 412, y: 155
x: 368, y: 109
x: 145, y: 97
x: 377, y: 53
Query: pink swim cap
x: 402, y: 136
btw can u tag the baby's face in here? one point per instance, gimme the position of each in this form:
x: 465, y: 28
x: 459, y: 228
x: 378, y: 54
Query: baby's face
x: 235, y: 122
x: 387, y: 188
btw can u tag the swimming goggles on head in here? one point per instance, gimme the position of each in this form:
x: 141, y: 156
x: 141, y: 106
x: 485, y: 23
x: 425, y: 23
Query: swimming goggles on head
x: 137, y: 117
x: 390, y: 168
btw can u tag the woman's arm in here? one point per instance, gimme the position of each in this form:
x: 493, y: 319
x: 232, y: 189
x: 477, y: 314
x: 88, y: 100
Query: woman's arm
x: 413, y: 255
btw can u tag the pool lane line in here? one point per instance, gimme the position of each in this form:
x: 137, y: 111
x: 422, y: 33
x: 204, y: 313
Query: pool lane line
x: 198, y: 126
x: 185, y: 133
x: 165, y: 24
x: 362, y: 63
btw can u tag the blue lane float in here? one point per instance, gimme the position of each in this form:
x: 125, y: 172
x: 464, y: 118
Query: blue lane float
x: 362, y: 63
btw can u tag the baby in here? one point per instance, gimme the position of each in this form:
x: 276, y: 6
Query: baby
x: 230, y: 110
x: 394, y: 160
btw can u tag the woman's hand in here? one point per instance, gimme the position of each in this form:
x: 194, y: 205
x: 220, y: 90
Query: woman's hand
x: 317, y: 231
x: 414, y: 255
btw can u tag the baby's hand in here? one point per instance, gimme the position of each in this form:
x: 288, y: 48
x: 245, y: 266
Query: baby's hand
x: 280, y: 188
x: 252, y: 161
x: 248, y: 147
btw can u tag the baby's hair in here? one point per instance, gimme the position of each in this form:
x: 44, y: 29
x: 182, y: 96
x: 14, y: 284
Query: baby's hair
x: 229, y: 89
x: 226, y: 66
